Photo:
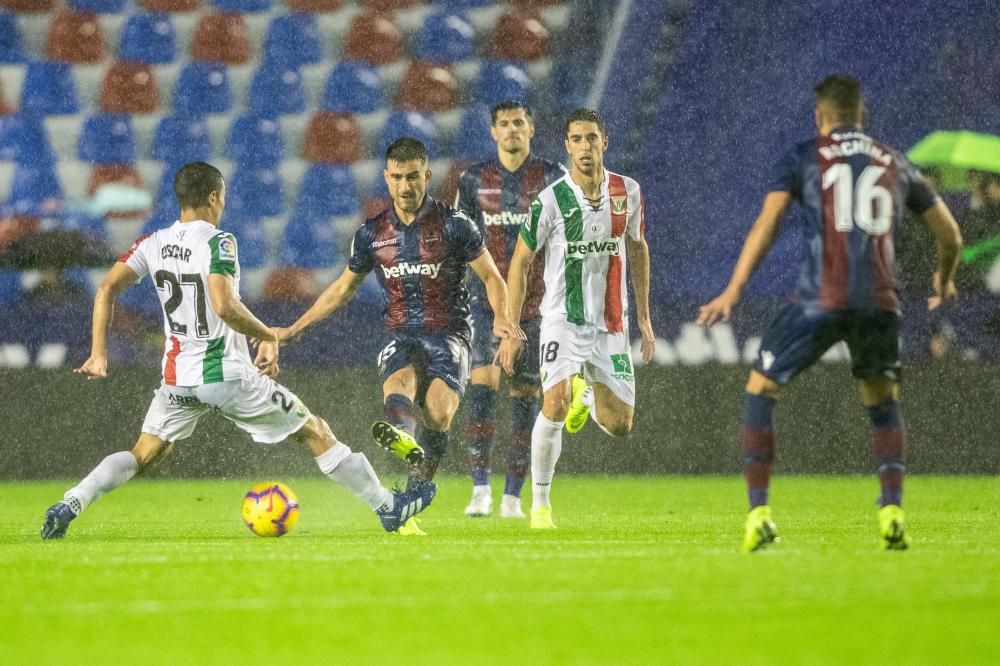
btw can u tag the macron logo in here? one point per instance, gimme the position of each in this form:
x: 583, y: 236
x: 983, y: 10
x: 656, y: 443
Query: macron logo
x: 404, y: 268
x: 607, y: 248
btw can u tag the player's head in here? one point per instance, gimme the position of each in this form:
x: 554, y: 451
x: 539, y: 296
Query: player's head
x: 199, y: 187
x: 406, y: 173
x: 512, y: 126
x: 586, y: 141
x: 839, y: 101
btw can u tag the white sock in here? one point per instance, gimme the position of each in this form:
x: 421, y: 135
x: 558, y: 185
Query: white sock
x: 354, y: 472
x: 546, y: 445
x: 110, y: 473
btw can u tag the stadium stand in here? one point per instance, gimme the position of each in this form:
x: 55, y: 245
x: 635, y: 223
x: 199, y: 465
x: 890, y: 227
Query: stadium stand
x: 75, y: 36
x: 148, y: 38
x: 107, y: 138
x: 374, y: 38
x: 333, y: 138
x: 222, y: 38
x: 293, y: 40
x: 49, y: 89
x: 255, y: 141
x: 130, y: 87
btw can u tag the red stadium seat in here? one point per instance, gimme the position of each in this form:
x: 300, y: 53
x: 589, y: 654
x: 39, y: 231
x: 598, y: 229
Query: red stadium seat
x: 14, y: 227
x: 314, y: 6
x: 221, y: 37
x: 173, y: 6
x: 391, y: 5
x: 291, y: 283
x: 332, y: 138
x: 375, y: 39
x: 519, y: 35
x: 427, y: 87
x: 4, y: 107
x: 126, y: 174
x: 130, y: 87
x: 75, y: 36
x: 28, y: 6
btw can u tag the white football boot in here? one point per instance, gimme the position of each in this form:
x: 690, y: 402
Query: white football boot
x: 510, y: 507
x: 481, y: 504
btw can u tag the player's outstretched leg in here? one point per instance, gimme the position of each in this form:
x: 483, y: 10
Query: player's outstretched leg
x: 580, y: 404
x: 400, y: 518
x: 892, y: 527
x: 398, y: 442
x: 760, y: 531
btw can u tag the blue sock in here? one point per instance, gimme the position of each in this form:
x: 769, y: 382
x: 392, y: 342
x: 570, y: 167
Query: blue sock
x: 758, y: 447
x: 480, y: 430
x: 523, y: 411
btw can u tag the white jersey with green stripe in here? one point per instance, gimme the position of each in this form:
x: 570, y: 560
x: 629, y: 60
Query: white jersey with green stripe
x: 200, y: 347
x: 584, y: 246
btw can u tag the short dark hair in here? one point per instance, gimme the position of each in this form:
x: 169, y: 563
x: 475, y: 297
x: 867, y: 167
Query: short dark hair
x: 193, y: 182
x: 510, y: 105
x: 585, y: 115
x: 842, y: 94
x: 405, y: 149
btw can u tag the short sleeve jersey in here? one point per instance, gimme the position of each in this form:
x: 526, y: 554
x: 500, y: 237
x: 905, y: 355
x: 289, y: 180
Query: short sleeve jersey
x: 852, y: 191
x: 420, y: 267
x: 584, y: 246
x: 200, y: 347
x: 499, y: 202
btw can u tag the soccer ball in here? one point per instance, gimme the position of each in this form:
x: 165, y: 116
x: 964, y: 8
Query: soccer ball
x: 270, y: 509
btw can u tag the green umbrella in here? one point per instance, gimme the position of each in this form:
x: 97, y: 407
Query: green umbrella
x: 954, y: 153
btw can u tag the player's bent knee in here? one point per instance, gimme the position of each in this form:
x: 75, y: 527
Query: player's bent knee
x: 150, y: 451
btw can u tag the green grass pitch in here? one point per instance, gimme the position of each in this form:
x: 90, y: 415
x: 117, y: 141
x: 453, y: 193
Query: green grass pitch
x: 641, y: 570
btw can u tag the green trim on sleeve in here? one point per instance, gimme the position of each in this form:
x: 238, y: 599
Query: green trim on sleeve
x: 529, y: 230
x: 224, y: 254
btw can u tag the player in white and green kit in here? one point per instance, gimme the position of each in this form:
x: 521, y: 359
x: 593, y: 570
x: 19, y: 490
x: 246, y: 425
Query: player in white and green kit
x: 206, y: 362
x: 589, y: 224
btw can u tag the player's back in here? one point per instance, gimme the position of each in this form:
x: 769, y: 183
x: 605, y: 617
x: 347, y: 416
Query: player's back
x: 200, y: 347
x: 852, y: 190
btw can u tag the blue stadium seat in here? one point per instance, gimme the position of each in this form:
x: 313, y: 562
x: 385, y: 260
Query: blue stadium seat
x: 98, y: 6
x: 474, y: 141
x: 202, y: 88
x: 412, y: 124
x: 353, y: 87
x: 293, y: 40
x: 329, y: 190
x: 10, y: 287
x: 23, y: 139
x: 148, y: 37
x: 242, y: 6
x: 276, y: 90
x: 258, y: 189
x: 179, y: 139
x: 49, y: 89
x: 95, y: 226
x: 255, y: 141
x: 502, y: 79
x: 165, y: 200
x: 308, y: 241
x: 250, y: 236
x: 445, y: 37
x: 11, y: 45
x: 107, y: 139
x: 463, y: 4
x: 35, y: 190
x: 161, y: 218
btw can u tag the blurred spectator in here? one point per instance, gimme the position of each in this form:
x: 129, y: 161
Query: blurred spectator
x: 981, y: 232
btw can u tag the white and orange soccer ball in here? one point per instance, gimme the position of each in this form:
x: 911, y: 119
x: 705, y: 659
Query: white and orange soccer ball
x: 270, y: 509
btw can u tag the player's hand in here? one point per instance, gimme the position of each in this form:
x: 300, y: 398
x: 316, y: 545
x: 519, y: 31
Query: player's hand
x: 267, y: 359
x: 648, y: 344
x: 718, y: 309
x: 95, y: 367
x: 284, y: 336
x: 507, y: 354
x: 942, y: 293
x: 504, y: 328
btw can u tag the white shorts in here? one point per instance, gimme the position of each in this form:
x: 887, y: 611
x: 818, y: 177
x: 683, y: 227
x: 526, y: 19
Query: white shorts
x: 605, y: 358
x: 257, y: 404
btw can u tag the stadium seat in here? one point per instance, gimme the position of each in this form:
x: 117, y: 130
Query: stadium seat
x: 258, y: 189
x: 291, y: 284
x: 98, y: 6
x: 29, y: 6
x: 5, y: 109
x: 11, y: 44
x: 374, y: 38
x: 353, y: 87
x: 519, y: 35
x: 445, y: 37
x: 293, y: 40
x: 107, y: 138
x: 255, y: 141
x: 474, y: 142
x: 427, y: 87
x: 501, y: 80
x: 95, y: 226
x: 23, y: 139
x: 10, y: 287
x: 250, y: 237
x: 308, y: 241
x: 201, y: 88
x: 332, y: 138
x: 276, y: 90
x: 149, y: 38
x: 121, y: 174
x: 75, y: 36
x: 242, y: 6
x: 180, y: 139
x: 328, y: 190
x: 463, y: 4
x: 35, y: 190
x: 221, y: 38
x: 314, y: 6
x: 412, y: 124
x: 391, y: 5
x: 130, y: 87
x: 172, y: 6
x: 49, y: 89
x: 160, y: 218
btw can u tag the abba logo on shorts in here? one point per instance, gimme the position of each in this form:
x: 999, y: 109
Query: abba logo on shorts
x: 404, y: 268
x: 506, y: 218
x: 594, y: 248
x: 622, y: 365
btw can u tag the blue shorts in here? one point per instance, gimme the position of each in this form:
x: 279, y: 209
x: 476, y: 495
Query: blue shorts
x: 797, y: 338
x: 444, y: 356
x: 484, y: 346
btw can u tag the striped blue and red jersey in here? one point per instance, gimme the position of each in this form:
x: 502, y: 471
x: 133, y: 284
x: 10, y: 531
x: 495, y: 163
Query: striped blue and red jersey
x: 499, y: 202
x: 852, y: 190
x: 420, y: 266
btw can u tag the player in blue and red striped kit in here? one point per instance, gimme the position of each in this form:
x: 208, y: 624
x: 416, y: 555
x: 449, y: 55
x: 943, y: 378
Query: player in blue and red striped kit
x: 497, y: 196
x: 419, y: 249
x: 852, y: 190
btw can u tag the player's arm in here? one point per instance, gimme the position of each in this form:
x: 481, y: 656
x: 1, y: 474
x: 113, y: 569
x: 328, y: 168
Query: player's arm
x: 517, y: 285
x: 118, y: 279
x: 236, y: 315
x: 755, y: 248
x: 496, y: 292
x: 949, y: 246
x: 333, y: 298
x: 638, y: 261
